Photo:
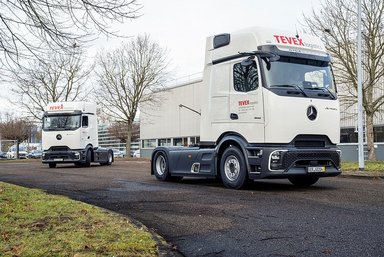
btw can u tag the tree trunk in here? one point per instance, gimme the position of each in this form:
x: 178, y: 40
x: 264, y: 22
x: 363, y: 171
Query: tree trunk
x: 370, y: 138
x: 129, y: 139
x: 17, y: 149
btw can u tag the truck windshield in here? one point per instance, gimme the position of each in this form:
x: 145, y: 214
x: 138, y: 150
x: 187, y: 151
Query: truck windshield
x: 61, y: 122
x: 304, y: 75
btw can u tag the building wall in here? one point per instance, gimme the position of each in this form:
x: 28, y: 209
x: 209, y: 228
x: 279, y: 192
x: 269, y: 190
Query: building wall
x: 349, y: 133
x: 166, y: 122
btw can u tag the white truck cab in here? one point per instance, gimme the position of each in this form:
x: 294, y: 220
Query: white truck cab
x: 269, y: 109
x: 70, y: 135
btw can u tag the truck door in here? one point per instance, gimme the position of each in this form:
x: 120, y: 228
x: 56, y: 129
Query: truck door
x: 246, y: 101
x: 85, y: 131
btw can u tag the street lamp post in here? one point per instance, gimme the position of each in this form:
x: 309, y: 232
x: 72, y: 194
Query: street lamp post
x: 359, y: 92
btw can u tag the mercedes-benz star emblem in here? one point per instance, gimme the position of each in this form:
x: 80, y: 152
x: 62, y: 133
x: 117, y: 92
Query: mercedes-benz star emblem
x: 311, y: 113
x: 59, y: 137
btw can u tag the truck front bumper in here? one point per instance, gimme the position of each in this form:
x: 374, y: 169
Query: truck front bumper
x: 62, y: 156
x: 285, y: 163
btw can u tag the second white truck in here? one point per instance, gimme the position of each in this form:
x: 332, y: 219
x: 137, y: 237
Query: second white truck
x: 269, y: 109
x: 69, y: 135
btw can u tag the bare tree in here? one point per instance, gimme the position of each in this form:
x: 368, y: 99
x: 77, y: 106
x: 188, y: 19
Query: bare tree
x: 119, y: 131
x: 27, y: 27
x: 336, y: 23
x: 128, y: 76
x: 15, y: 129
x: 61, y: 78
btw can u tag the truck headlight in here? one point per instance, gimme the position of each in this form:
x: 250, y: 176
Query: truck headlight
x: 276, y: 160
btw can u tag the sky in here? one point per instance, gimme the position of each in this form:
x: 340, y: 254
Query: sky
x: 182, y: 27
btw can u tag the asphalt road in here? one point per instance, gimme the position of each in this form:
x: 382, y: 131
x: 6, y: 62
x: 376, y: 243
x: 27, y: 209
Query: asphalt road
x: 335, y: 217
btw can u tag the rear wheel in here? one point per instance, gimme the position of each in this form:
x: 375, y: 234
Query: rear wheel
x: 109, y: 159
x: 303, y: 181
x: 233, y: 170
x: 160, y: 166
x: 52, y: 165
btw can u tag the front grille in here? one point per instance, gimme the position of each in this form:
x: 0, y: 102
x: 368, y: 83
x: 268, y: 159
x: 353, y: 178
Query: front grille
x: 309, y: 144
x: 311, y: 141
x: 298, y: 158
x: 59, y: 148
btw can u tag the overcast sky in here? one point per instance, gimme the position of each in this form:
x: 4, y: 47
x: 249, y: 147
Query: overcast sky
x: 182, y: 26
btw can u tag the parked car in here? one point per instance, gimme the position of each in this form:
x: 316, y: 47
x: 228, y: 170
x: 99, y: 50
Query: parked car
x: 11, y: 154
x: 35, y: 154
x: 3, y: 155
x: 136, y: 153
x: 117, y: 153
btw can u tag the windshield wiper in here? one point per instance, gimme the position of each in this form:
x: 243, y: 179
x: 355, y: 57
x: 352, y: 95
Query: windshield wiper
x: 330, y: 92
x: 324, y: 89
x: 292, y: 86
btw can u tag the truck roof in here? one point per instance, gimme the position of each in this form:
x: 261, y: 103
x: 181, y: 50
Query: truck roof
x: 249, y: 39
x: 65, y: 107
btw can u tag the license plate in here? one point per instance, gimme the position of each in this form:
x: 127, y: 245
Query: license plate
x: 58, y: 159
x: 315, y: 169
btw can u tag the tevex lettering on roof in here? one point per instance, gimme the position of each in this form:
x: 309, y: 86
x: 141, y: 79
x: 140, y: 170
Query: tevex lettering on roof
x: 56, y: 107
x: 289, y: 40
x: 296, y: 41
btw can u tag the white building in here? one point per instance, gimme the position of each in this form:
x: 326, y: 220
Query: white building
x: 174, y: 120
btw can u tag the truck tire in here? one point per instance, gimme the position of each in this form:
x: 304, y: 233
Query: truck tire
x: 109, y: 159
x: 88, y: 158
x: 303, y: 181
x: 160, y: 166
x: 52, y: 164
x: 233, y: 169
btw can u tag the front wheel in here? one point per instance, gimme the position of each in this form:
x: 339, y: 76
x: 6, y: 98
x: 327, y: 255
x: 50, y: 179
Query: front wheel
x: 88, y: 158
x: 303, y: 181
x: 160, y: 166
x: 233, y: 169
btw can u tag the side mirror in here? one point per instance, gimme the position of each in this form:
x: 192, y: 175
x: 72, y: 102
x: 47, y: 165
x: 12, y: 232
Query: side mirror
x: 274, y: 58
x: 248, y: 62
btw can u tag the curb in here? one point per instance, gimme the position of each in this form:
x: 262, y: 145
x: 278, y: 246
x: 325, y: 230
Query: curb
x: 362, y: 175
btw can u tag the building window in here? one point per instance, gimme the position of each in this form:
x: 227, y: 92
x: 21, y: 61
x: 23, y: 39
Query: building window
x: 379, y: 133
x: 348, y: 135
x: 149, y: 143
x: 245, y: 78
x: 164, y: 142
x: 180, y: 141
x: 195, y: 140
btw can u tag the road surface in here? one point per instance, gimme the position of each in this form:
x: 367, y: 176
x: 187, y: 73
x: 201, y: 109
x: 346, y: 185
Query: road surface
x: 335, y: 217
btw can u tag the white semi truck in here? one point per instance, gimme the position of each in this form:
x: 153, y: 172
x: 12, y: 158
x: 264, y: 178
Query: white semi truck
x: 269, y: 109
x: 70, y: 135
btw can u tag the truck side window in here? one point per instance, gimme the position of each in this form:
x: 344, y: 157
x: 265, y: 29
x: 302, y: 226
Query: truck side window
x: 245, y: 79
x: 85, y: 121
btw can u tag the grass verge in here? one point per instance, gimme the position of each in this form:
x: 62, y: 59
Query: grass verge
x: 34, y: 223
x: 370, y: 166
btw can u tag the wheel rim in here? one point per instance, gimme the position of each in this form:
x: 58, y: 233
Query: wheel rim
x: 232, y: 168
x: 110, y: 158
x: 160, y: 165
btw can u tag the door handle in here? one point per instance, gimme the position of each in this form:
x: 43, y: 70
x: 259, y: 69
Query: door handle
x: 234, y: 116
